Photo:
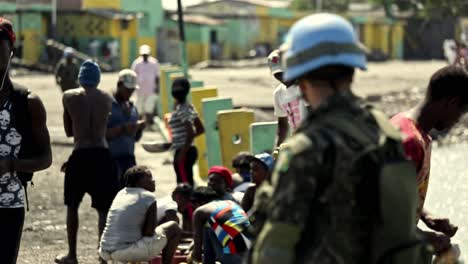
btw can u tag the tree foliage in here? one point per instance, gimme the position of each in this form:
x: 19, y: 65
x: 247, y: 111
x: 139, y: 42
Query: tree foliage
x: 328, y: 5
x: 425, y: 8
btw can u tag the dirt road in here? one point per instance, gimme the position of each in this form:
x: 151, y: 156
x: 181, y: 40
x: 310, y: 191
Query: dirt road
x: 44, y: 232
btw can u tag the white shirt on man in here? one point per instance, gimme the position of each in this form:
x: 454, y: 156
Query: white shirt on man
x: 126, y: 218
x: 147, y: 72
x: 288, y: 103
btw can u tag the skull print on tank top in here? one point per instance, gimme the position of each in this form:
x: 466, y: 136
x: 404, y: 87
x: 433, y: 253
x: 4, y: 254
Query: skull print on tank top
x: 11, y: 190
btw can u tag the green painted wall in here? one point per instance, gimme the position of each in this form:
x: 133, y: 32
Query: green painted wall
x: 242, y: 35
x: 281, y: 13
x: 153, y: 15
x: 31, y: 21
x: 8, y: 7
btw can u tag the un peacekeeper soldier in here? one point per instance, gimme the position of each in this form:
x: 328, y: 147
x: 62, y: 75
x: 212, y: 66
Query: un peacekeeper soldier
x: 66, y: 72
x: 342, y: 191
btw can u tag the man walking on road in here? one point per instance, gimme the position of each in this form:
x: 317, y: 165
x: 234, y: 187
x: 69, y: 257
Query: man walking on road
x: 90, y: 167
x: 147, y: 69
x: 24, y: 147
x: 66, y: 72
x: 290, y: 108
x: 445, y: 103
x: 124, y: 127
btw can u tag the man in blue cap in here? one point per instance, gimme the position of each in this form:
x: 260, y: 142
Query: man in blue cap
x: 261, y: 167
x: 90, y: 167
x: 342, y: 190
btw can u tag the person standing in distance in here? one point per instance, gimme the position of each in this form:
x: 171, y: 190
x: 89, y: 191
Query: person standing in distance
x: 147, y: 69
x: 66, y: 72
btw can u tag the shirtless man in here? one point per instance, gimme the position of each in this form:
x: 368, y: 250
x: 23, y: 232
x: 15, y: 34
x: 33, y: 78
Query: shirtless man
x: 89, y: 168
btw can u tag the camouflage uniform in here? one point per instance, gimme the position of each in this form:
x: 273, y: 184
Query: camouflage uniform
x: 67, y: 75
x: 321, y: 205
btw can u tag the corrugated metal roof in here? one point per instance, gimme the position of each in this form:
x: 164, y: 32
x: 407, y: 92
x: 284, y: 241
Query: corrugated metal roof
x: 107, y: 13
x: 200, y: 20
x: 172, y: 4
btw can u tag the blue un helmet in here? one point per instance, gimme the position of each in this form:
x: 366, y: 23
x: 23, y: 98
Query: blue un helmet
x: 320, y: 40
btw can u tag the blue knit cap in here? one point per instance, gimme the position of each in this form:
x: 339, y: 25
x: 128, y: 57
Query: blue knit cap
x: 90, y: 74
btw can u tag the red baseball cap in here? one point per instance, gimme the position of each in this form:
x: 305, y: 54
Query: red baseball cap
x: 224, y: 172
x: 7, y: 27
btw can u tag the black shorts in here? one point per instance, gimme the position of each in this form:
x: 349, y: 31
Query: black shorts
x: 91, y: 171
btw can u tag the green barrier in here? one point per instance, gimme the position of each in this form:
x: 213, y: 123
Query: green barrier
x: 210, y: 107
x: 262, y: 137
x: 196, y: 84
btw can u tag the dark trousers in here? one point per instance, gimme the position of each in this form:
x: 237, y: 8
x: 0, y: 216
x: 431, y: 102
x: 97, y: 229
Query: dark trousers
x: 11, y: 224
x: 184, y: 167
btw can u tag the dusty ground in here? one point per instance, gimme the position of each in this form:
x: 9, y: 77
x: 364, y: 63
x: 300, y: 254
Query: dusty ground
x: 45, y: 237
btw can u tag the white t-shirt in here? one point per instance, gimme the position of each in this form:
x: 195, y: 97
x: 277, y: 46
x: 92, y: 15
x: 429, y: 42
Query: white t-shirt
x: 126, y: 218
x: 288, y: 103
x: 165, y: 204
x: 146, y: 75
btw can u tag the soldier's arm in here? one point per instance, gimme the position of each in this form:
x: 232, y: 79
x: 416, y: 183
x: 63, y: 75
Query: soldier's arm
x: 294, y: 185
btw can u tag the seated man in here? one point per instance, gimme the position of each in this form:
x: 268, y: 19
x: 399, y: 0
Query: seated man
x: 220, y: 180
x: 261, y: 167
x: 181, y: 195
x: 220, y: 228
x: 242, y: 177
x: 131, y: 232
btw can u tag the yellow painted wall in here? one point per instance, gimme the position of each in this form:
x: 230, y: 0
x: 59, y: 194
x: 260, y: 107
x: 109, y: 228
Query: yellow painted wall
x: 233, y: 124
x: 79, y: 26
x: 112, y: 4
x: 148, y: 41
x: 115, y: 28
x: 262, y: 11
x: 198, y: 94
x: 369, y: 36
x: 381, y: 37
x: 268, y: 30
x: 32, y: 49
x: 286, y: 22
x: 124, y: 48
x: 197, y: 52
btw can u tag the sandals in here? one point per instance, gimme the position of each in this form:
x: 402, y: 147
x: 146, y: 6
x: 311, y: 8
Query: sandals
x: 65, y: 260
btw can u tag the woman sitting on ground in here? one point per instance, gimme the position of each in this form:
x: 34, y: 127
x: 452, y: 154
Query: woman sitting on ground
x: 131, y: 233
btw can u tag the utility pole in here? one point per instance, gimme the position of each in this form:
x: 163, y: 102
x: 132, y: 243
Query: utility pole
x: 183, y: 48
x: 54, y: 18
x: 318, y: 5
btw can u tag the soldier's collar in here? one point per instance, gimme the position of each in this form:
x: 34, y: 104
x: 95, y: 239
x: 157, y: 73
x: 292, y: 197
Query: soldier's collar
x: 339, y: 100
